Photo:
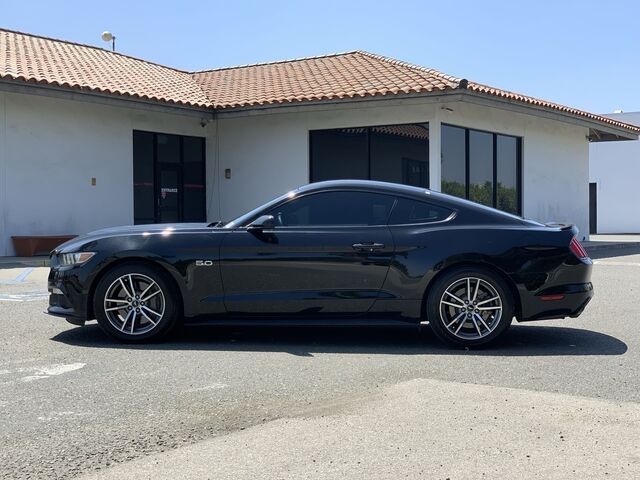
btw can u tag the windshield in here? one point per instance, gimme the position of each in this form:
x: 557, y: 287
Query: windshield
x: 244, y: 219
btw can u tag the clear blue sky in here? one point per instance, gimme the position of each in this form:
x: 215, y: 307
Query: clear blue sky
x: 580, y: 53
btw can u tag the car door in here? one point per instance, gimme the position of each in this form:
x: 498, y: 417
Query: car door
x: 328, y: 255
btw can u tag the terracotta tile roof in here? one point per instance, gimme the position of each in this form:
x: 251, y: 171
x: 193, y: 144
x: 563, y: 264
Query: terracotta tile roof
x: 358, y: 74
x: 331, y: 77
x: 54, y: 62
x: 348, y: 75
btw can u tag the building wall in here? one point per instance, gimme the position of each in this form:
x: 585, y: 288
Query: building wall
x: 51, y: 148
x: 268, y: 154
x: 615, y: 167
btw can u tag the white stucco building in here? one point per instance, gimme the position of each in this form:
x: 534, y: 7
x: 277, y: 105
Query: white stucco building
x: 614, y: 177
x: 91, y: 138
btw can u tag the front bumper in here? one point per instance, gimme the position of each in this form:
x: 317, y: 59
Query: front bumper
x: 558, y: 302
x: 67, y: 297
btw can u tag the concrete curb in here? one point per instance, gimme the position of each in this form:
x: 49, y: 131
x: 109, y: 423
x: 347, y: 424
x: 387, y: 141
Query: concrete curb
x: 18, y: 262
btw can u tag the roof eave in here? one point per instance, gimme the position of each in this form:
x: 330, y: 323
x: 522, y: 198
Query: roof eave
x: 253, y: 109
x: 599, y: 131
x: 93, y: 96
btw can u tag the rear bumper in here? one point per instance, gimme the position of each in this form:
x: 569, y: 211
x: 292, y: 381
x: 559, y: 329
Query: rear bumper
x: 558, y: 302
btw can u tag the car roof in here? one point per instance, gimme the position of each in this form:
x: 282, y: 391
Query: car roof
x: 364, y: 184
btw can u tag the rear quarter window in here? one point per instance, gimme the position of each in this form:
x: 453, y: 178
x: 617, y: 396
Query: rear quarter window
x: 408, y: 211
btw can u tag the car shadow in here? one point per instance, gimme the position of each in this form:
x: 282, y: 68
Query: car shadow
x: 520, y: 340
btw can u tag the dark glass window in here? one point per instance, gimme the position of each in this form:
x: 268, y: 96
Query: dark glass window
x: 168, y: 178
x: 400, y: 154
x: 391, y: 153
x: 193, y: 179
x: 453, y: 175
x: 335, y: 208
x: 339, y: 153
x: 143, y: 177
x: 409, y: 211
x: 168, y: 148
x: 482, y: 166
x: 507, y: 173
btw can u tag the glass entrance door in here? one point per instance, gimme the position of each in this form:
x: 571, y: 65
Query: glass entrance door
x: 169, y: 194
x: 168, y: 178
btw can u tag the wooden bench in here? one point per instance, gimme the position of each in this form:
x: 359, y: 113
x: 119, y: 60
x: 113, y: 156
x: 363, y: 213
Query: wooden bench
x: 30, y: 245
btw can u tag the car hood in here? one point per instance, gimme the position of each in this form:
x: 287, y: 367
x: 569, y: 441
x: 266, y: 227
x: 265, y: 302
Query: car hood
x: 163, y: 228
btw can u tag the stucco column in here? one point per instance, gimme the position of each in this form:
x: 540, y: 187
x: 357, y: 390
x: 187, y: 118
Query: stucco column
x: 4, y: 236
x: 434, y: 155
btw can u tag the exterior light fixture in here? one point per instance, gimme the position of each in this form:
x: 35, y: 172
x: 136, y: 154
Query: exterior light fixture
x: 109, y: 37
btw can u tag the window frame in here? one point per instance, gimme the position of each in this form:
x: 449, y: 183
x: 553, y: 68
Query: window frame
x: 367, y: 129
x: 467, y: 168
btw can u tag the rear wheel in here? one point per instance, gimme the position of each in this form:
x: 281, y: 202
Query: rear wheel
x: 135, y: 303
x: 469, y: 306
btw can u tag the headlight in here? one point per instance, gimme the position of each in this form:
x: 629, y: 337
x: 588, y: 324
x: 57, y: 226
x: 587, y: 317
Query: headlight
x: 77, y: 258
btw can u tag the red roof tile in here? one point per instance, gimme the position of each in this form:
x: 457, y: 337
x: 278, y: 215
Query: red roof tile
x: 331, y: 77
x: 46, y: 61
x: 357, y: 74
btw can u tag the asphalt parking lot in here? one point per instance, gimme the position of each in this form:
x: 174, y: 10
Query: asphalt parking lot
x: 556, y: 399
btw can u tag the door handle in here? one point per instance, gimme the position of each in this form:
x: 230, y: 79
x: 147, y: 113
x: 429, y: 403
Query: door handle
x: 368, y: 246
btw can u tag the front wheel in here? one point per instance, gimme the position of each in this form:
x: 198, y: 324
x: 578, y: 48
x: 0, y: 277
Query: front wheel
x: 469, y: 307
x: 134, y: 303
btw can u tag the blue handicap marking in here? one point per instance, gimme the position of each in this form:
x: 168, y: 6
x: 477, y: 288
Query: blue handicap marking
x: 20, y: 278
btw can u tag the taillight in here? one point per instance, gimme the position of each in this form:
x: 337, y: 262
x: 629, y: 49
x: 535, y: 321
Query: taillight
x: 577, y: 249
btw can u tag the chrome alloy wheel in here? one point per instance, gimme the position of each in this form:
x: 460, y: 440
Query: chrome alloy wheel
x: 134, y: 304
x: 470, y: 308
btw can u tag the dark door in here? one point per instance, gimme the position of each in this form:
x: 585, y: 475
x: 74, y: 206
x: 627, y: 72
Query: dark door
x: 169, y: 194
x: 168, y: 178
x: 593, y: 208
x: 328, y: 255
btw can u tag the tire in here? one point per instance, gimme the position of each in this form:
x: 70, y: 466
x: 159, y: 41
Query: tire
x: 148, y: 318
x: 463, y: 324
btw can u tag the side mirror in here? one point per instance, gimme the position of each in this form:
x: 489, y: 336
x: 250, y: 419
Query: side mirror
x: 264, y: 222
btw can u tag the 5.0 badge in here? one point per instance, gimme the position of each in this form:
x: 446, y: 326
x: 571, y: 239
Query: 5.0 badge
x: 204, y: 263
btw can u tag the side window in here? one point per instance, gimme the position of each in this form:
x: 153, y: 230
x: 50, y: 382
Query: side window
x: 413, y: 211
x: 334, y: 208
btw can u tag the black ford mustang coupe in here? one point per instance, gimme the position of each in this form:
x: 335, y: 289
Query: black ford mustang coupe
x: 334, y: 253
